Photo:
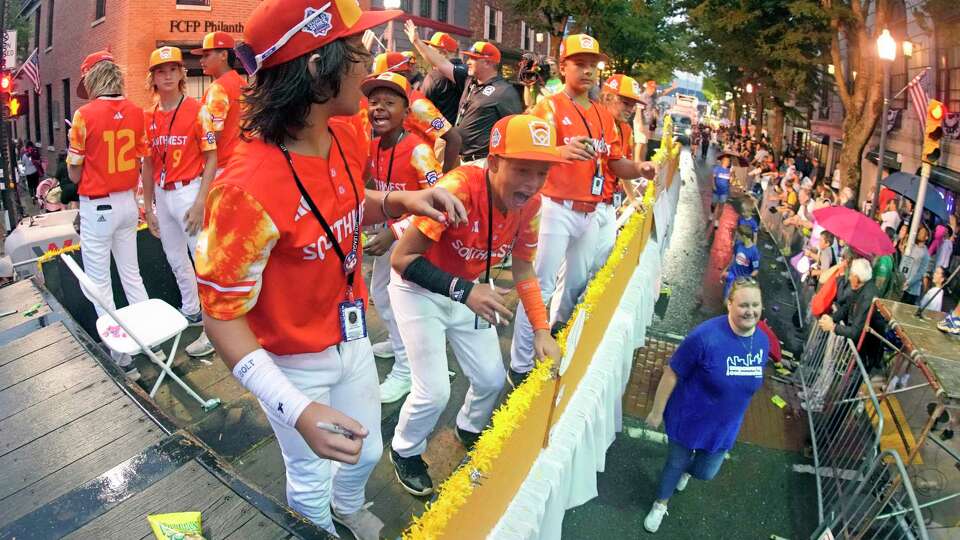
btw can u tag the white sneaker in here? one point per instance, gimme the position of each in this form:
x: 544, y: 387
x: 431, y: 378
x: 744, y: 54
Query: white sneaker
x: 682, y: 484
x: 363, y: 523
x: 652, y: 522
x: 393, y: 389
x: 384, y: 349
x: 200, y: 347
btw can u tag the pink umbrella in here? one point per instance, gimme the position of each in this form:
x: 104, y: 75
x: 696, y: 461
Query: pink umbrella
x: 861, y: 233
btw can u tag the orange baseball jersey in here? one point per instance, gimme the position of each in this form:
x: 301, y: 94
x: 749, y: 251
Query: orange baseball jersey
x: 180, y: 146
x: 221, y: 105
x: 108, y: 138
x: 263, y: 254
x: 462, y: 251
x: 611, y: 183
x: 573, y: 182
x: 424, y: 118
x: 414, y: 165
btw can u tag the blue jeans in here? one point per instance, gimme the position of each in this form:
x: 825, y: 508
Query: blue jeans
x: 699, y: 464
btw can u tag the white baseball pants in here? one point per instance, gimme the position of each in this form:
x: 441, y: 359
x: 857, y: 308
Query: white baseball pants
x: 109, y: 225
x: 344, y: 377
x: 426, y: 321
x: 566, y: 238
x: 379, y: 281
x: 178, y: 246
x: 607, y: 234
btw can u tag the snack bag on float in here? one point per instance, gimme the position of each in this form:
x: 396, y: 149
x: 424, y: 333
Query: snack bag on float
x: 177, y: 526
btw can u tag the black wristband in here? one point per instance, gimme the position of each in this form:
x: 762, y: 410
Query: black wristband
x: 425, y: 274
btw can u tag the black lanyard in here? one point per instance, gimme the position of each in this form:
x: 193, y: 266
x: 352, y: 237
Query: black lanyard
x: 347, y: 260
x: 393, y: 151
x: 576, y: 107
x: 166, y: 142
x: 486, y: 275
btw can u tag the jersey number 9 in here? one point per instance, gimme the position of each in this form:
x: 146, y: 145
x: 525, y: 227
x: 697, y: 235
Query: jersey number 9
x: 118, y: 159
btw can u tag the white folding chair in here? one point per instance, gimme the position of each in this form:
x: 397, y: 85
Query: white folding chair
x: 139, y: 328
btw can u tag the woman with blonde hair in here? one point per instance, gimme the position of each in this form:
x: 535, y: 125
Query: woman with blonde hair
x: 177, y: 176
x: 107, y: 140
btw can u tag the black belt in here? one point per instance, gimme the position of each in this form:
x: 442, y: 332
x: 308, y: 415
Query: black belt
x: 473, y: 157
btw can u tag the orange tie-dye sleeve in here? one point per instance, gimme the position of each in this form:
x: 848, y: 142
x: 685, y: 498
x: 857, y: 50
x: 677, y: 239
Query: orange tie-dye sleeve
x: 424, y: 161
x: 216, y: 106
x: 78, y: 139
x: 455, y: 182
x: 232, y: 252
x: 615, y: 143
x: 545, y: 110
x: 426, y: 118
x: 529, y: 233
x: 143, y: 143
x: 204, y: 131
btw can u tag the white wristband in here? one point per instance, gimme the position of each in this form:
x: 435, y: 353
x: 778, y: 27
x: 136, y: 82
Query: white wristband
x: 258, y: 374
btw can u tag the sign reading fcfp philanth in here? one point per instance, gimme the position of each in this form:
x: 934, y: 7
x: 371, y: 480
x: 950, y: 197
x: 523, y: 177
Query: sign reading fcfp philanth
x: 185, y: 26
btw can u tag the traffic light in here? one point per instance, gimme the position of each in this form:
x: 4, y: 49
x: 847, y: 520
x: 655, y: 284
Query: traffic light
x: 933, y: 132
x: 6, y: 82
x: 17, y: 105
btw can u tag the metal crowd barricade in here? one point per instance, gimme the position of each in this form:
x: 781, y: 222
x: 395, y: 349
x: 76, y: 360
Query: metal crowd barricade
x: 845, y: 428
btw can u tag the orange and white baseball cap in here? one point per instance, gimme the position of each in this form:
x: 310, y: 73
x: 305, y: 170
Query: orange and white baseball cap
x: 214, y: 41
x: 396, y: 62
x: 623, y: 86
x: 280, y: 30
x: 484, y: 50
x: 580, y: 44
x: 524, y: 136
x: 394, y: 81
x: 91, y: 60
x: 444, y: 41
x: 164, y: 55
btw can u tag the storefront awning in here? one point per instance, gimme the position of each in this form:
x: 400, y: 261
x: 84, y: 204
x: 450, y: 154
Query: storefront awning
x: 945, y: 178
x: 889, y: 159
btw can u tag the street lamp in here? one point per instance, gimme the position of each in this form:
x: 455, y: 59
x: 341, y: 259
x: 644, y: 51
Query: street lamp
x: 749, y: 88
x: 391, y: 4
x: 887, y: 50
x: 539, y: 37
x: 907, y: 49
x: 601, y: 65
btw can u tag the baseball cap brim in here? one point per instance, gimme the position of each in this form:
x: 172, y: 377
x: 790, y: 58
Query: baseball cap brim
x: 82, y: 90
x: 370, y: 19
x: 200, y: 51
x: 477, y: 55
x: 600, y: 56
x: 369, y: 85
x: 551, y: 157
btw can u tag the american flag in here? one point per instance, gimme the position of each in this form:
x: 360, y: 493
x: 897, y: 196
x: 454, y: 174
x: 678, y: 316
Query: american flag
x: 31, y: 68
x: 918, y: 96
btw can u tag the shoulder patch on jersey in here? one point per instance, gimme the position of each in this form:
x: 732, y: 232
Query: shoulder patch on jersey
x: 211, y: 138
x: 432, y: 177
x: 488, y: 91
x: 436, y: 123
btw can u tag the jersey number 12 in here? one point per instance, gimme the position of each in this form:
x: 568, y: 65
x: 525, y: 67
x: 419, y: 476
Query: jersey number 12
x: 118, y: 160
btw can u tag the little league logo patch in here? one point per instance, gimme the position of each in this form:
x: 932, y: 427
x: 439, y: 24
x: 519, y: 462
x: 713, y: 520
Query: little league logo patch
x: 432, y: 177
x: 540, y: 133
x: 488, y: 91
x: 436, y: 123
x: 495, y: 137
x: 211, y: 138
x: 613, y: 84
x: 320, y: 25
x: 636, y: 88
x: 166, y: 53
x: 587, y: 42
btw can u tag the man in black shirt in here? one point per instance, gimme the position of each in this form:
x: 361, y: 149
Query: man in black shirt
x: 487, y: 98
x: 443, y: 92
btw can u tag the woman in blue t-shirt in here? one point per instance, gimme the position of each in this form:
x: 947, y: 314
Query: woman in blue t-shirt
x: 721, y: 188
x: 705, y: 391
x: 745, y: 261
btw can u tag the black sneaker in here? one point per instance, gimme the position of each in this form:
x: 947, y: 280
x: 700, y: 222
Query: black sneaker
x: 412, y: 474
x: 515, y: 378
x: 467, y: 438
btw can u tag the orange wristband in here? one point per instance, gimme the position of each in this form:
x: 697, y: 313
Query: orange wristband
x: 529, y: 291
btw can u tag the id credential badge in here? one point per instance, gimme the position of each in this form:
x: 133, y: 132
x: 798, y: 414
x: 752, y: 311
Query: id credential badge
x: 597, y: 187
x: 479, y: 323
x: 617, y: 199
x: 353, y: 322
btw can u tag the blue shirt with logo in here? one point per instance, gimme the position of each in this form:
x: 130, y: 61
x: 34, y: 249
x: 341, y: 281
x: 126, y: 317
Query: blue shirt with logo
x: 751, y: 221
x: 745, y: 260
x: 718, y: 372
x: 721, y: 180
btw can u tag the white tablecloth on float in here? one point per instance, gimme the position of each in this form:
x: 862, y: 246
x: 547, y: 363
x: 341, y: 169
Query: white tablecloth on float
x: 564, y: 474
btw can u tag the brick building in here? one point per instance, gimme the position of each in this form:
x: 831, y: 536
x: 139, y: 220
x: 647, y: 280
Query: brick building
x: 67, y: 30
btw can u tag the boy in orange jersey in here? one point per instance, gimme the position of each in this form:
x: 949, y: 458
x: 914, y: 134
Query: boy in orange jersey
x: 177, y: 175
x: 221, y: 101
x: 424, y: 118
x: 569, y: 230
x: 436, y: 296
x: 283, y: 296
x: 107, y: 140
x: 400, y: 160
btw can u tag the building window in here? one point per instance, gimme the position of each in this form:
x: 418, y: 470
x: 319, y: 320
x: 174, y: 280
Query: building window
x: 49, y: 114
x: 66, y: 111
x: 947, y: 66
x: 36, y: 28
x: 443, y: 10
x: 36, y: 118
x: 492, y: 23
x: 101, y: 10
x: 50, y: 24
x: 523, y: 35
x: 202, y: 3
x: 823, y: 108
x: 499, y: 23
x: 407, y: 6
